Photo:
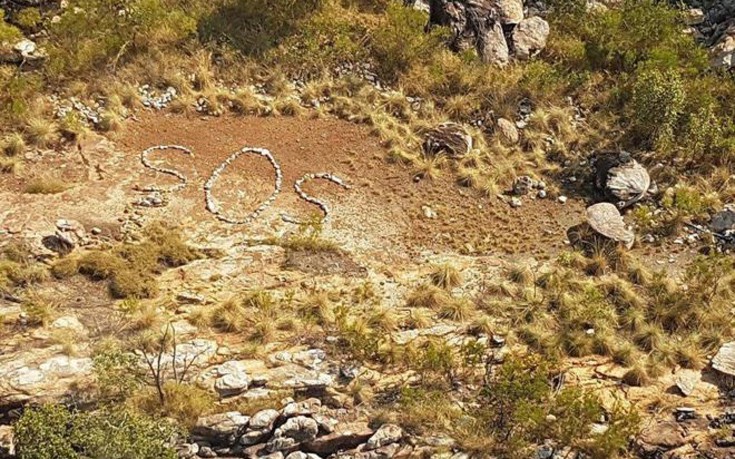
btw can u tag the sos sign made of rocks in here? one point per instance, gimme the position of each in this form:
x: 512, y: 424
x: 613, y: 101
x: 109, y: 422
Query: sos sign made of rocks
x: 212, y: 204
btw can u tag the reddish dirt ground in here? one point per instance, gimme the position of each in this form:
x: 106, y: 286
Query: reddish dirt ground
x: 384, y: 203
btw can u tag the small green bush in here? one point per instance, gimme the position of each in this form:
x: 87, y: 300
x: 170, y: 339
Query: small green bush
x: 656, y: 107
x: 399, y: 42
x: 53, y: 432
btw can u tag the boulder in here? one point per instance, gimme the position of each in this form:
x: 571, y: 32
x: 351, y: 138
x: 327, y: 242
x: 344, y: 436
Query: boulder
x: 345, y: 437
x: 232, y: 379
x: 508, y: 131
x: 722, y: 54
x: 724, y: 220
x: 384, y: 436
x: 300, y: 429
x: 492, y: 45
x: 220, y: 429
x: 529, y: 37
x: 621, y: 177
x: 724, y: 360
x: 449, y: 138
x: 687, y: 380
x: 663, y: 436
x: 605, y: 219
x: 510, y: 11
x: 264, y: 419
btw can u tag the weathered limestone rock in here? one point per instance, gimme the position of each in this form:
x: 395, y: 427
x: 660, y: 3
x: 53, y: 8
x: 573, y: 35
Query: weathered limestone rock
x: 529, y: 37
x: 344, y: 437
x: 385, y: 435
x: 621, y: 177
x: 264, y: 419
x: 724, y: 360
x: 232, y: 379
x: 300, y: 429
x: 508, y: 131
x: 663, y: 436
x: 606, y: 220
x: 722, y: 54
x: 687, y: 380
x: 222, y: 429
x: 492, y: 46
x: 511, y: 11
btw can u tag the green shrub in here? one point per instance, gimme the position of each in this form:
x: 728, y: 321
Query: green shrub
x: 254, y: 27
x: 43, y: 433
x: 53, y: 432
x: 8, y: 33
x: 27, y: 18
x: 656, y: 106
x: 399, y: 42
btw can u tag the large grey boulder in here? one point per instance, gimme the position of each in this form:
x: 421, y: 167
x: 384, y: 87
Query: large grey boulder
x: 222, y: 429
x: 621, y: 177
x: 510, y: 11
x: 529, y: 37
x: 605, y: 219
x: 492, y: 46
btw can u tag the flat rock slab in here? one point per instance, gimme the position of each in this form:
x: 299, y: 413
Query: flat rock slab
x: 606, y: 220
x: 724, y: 361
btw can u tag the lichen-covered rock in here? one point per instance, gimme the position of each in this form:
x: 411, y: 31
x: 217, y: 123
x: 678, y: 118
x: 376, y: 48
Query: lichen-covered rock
x: 264, y: 419
x: 300, y: 428
x: 529, y: 37
x: 508, y: 131
x: 385, y: 435
x: 492, y: 45
x: 724, y: 220
x: 510, y: 11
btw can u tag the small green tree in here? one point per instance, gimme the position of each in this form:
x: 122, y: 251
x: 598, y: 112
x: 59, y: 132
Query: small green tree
x: 656, y: 106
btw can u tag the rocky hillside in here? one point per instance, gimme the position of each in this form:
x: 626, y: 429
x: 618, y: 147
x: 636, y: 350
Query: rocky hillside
x: 366, y: 229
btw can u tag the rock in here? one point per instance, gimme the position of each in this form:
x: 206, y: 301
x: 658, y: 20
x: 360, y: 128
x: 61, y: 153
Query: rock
x: 232, y: 379
x: 722, y: 54
x: 694, y: 16
x: 724, y: 360
x: 25, y: 48
x: 190, y: 298
x: 70, y: 323
x: 684, y: 413
x: 665, y: 436
x: 523, y: 185
x: 508, y: 131
x: 7, y: 444
x: 529, y: 37
x: 385, y: 435
x: 253, y: 437
x: 305, y: 408
x: 345, y: 437
x: 511, y: 11
x: 724, y: 220
x: 221, y: 429
x: 449, y: 138
x: 621, y: 177
x: 562, y: 199
x: 300, y: 429
x: 263, y: 419
x: 492, y: 46
x: 515, y: 202
x: 428, y: 212
x: 605, y: 219
x: 686, y: 381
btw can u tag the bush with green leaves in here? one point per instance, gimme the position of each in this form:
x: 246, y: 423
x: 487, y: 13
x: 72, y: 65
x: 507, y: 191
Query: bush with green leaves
x: 656, y: 106
x: 54, y: 432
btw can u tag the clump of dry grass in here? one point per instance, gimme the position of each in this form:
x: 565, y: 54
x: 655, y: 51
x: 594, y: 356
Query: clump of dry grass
x: 41, y: 132
x: 520, y: 274
x: 46, y: 185
x: 429, y: 296
x: 13, y: 145
x: 637, y: 376
x: 445, y: 276
x: 458, y: 310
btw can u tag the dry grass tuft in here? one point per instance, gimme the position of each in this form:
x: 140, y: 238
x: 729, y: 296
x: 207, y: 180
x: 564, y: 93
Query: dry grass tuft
x: 41, y: 132
x: 428, y: 296
x: 46, y: 185
x: 445, y: 276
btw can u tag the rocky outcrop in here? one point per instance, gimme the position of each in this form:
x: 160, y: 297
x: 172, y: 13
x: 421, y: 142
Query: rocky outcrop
x: 305, y: 430
x: 497, y: 29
